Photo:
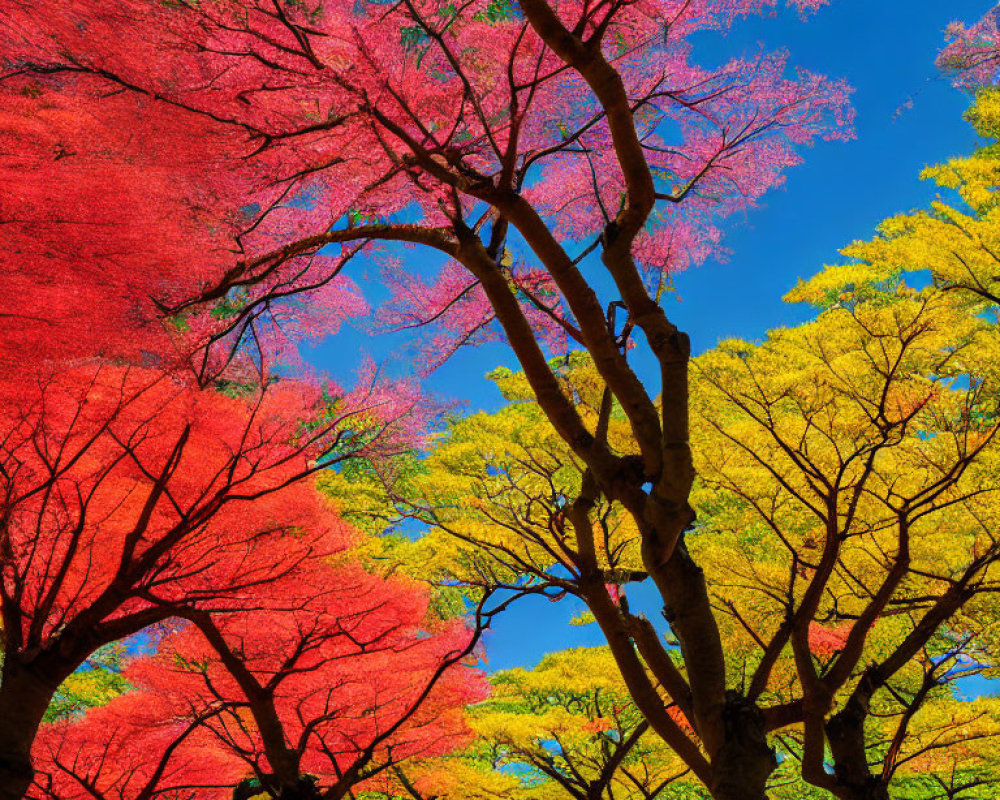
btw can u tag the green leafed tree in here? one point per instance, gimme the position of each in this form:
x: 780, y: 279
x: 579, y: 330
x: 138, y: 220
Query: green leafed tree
x: 98, y: 682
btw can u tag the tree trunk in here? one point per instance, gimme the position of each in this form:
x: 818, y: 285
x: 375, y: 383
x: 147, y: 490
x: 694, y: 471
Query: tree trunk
x: 845, y: 731
x: 304, y: 788
x: 872, y: 789
x: 24, y: 699
x: 745, y: 761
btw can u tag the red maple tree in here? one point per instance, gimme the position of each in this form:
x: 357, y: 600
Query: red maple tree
x: 129, y: 495
x: 315, y: 685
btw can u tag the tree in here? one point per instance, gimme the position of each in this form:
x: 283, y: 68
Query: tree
x: 565, y: 729
x: 847, y: 502
x: 847, y: 473
x: 957, y: 242
x: 972, y: 56
x: 846, y: 497
x: 135, y: 213
x: 132, y: 747
x: 301, y: 687
x: 130, y: 496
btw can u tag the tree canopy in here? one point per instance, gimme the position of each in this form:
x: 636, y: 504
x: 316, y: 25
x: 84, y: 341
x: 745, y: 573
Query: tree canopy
x: 196, y: 182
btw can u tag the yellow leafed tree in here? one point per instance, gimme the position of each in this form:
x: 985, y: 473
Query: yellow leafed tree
x: 848, y: 508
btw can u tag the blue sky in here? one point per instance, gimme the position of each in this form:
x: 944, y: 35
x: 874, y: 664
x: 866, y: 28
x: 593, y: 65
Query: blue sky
x: 907, y: 117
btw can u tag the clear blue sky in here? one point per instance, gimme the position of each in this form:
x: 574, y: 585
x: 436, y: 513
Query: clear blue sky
x: 886, y: 50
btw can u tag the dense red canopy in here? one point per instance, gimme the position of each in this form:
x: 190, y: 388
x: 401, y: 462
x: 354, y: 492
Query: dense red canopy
x: 326, y: 671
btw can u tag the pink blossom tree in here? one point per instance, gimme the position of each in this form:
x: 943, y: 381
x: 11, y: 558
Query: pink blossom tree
x: 972, y: 56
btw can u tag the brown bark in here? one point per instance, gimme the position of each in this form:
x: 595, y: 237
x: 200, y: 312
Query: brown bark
x: 845, y: 731
x: 687, y: 608
x: 284, y: 760
x: 302, y: 789
x: 617, y: 632
x: 24, y: 699
x: 745, y: 761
